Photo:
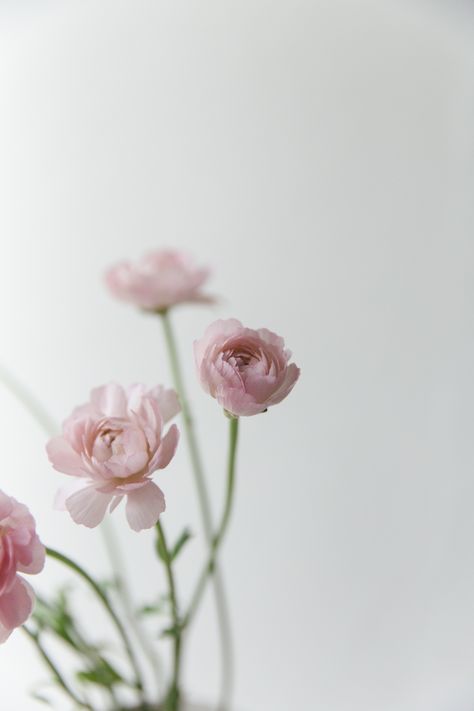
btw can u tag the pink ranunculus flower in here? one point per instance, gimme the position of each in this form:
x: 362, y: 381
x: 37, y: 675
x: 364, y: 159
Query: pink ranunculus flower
x: 113, y: 444
x: 21, y: 551
x: 246, y: 371
x: 159, y: 280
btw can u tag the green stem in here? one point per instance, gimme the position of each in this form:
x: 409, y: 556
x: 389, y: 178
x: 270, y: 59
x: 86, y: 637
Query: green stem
x: 103, y: 597
x: 173, y: 698
x: 54, y: 669
x: 118, y: 564
x: 217, y: 540
x: 30, y: 403
x: 205, y: 508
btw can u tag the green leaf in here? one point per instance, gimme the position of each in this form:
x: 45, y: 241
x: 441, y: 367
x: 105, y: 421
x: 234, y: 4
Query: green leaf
x: 110, y: 584
x: 39, y: 697
x: 173, y: 631
x: 155, y: 608
x: 101, y: 674
x: 180, y: 543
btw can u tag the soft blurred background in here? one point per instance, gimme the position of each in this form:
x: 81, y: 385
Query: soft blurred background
x: 319, y: 156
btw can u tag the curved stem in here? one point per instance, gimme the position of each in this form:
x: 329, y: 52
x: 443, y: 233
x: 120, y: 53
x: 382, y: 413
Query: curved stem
x: 108, y: 607
x: 172, y: 700
x: 54, y: 669
x: 217, y: 540
x: 34, y: 406
x: 205, y: 508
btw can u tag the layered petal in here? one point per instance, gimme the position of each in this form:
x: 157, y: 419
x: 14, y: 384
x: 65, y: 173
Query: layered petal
x: 64, y: 458
x: 110, y: 400
x: 88, y: 506
x: 20, y: 550
x: 113, y: 445
x: 158, y: 281
x: 246, y: 370
x: 15, y: 606
x: 166, y: 450
x: 144, y: 506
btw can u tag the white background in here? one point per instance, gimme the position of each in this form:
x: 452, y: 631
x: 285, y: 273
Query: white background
x: 319, y: 156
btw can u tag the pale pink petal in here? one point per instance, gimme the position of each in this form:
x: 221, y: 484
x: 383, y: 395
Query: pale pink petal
x: 7, y: 564
x: 135, y: 394
x: 238, y: 402
x: 115, y: 502
x: 166, y: 450
x: 127, y: 486
x: 144, y: 506
x: 16, y: 605
x: 110, y: 399
x: 216, y: 333
x: 6, y: 505
x: 291, y: 376
x: 167, y: 400
x: 88, y: 506
x: 63, y: 457
x: 59, y: 503
x: 31, y: 558
x: 271, y: 338
x: 159, y: 280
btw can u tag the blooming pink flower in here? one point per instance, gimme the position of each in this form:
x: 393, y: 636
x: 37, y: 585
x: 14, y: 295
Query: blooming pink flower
x: 113, y: 444
x: 159, y: 280
x: 245, y: 370
x: 21, y: 551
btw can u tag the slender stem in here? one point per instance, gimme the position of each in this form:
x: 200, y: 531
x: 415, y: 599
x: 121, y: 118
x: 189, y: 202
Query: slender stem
x: 188, y: 424
x: 54, y: 669
x: 34, y: 406
x: 217, y: 540
x: 108, y: 607
x: 172, y: 701
x: 118, y: 566
x: 220, y: 596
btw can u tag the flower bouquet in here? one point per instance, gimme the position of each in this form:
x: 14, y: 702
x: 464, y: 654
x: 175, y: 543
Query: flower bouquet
x: 111, y: 448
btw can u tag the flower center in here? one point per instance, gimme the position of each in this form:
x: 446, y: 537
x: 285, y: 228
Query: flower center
x: 240, y: 359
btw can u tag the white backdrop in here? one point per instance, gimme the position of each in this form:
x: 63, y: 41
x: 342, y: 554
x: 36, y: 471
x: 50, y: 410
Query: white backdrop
x: 320, y: 157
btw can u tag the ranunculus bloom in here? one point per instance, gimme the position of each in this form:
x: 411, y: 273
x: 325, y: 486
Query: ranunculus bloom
x: 21, y: 551
x: 245, y: 370
x: 159, y: 280
x: 113, y: 444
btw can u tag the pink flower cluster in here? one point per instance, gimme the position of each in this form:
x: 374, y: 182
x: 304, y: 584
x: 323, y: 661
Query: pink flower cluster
x: 113, y: 445
x: 21, y: 551
x: 159, y: 280
x: 246, y: 371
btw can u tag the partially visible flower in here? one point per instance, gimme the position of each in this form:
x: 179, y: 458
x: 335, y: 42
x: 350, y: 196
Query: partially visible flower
x: 246, y: 371
x: 159, y: 280
x: 113, y: 444
x: 21, y: 551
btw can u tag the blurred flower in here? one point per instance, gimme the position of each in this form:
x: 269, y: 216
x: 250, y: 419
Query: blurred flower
x: 21, y: 551
x: 159, y: 280
x: 113, y: 444
x: 245, y: 370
